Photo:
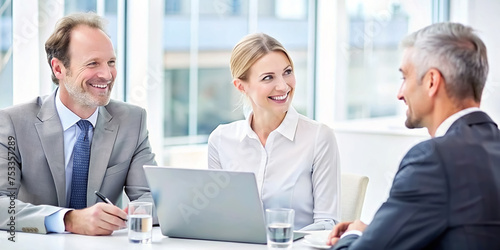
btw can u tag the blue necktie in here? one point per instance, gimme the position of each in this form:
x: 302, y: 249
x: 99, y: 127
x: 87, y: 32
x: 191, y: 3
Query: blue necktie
x: 81, y: 158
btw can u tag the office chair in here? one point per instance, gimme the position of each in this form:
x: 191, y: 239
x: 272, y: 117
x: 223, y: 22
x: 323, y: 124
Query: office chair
x: 353, y: 189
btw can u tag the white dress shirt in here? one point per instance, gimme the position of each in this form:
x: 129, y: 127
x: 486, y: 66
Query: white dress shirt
x: 55, y: 222
x: 446, y: 124
x: 298, y: 167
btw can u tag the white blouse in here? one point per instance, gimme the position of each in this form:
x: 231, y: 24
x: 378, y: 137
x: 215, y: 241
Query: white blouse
x: 298, y: 168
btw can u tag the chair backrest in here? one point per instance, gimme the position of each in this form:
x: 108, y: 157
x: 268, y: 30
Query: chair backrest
x: 353, y: 189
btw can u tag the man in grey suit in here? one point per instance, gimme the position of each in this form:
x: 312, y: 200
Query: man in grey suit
x: 446, y: 193
x: 37, y: 140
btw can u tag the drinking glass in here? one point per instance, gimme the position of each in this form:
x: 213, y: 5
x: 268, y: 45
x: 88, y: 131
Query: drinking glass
x: 279, y: 228
x: 140, y: 222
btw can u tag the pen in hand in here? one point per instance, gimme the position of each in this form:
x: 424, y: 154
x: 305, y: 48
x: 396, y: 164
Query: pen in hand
x: 105, y: 199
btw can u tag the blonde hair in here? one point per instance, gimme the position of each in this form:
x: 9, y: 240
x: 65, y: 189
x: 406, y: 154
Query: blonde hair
x: 58, y: 43
x: 250, y: 49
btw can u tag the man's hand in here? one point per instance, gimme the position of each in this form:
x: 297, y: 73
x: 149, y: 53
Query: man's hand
x: 342, y: 228
x: 100, y: 219
x: 337, y: 231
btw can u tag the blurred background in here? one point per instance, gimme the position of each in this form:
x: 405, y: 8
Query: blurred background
x: 173, y: 60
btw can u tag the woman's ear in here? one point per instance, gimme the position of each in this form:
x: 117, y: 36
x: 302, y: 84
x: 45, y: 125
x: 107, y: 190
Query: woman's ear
x: 238, y: 83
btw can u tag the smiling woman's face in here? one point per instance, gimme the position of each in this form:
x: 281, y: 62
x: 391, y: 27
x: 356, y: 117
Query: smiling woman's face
x: 271, y: 84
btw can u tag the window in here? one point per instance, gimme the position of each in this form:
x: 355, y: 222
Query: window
x: 198, y: 37
x: 109, y: 10
x: 106, y: 8
x: 182, y: 49
x: 288, y: 21
x: 372, y: 53
x: 6, y: 53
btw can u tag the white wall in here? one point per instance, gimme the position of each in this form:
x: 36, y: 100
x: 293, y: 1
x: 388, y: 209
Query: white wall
x: 483, y: 15
x: 374, y: 148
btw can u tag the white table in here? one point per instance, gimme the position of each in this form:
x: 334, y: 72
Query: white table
x: 119, y: 240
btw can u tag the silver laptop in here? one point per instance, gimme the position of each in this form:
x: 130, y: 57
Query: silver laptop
x: 208, y: 204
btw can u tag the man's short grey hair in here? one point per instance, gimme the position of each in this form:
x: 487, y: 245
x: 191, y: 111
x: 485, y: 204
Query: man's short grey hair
x: 457, y: 52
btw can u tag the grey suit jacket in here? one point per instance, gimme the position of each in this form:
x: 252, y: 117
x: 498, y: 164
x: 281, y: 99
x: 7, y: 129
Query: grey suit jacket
x: 32, y: 160
x: 445, y: 195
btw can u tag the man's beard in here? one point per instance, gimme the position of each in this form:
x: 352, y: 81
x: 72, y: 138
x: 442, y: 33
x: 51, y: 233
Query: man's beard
x: 412, y: 123
x: 85, y: 98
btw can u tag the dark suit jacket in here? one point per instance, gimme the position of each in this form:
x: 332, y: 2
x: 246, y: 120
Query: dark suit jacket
x: 35, y: 160
x: 446, y: 194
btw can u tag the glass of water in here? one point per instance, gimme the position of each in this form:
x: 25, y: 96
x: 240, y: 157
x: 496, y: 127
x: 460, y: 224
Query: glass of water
x: 140, y: 222
x: 279, y: 228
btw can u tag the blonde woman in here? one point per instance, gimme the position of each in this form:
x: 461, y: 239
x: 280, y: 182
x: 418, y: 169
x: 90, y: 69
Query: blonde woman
x: 295, y: 159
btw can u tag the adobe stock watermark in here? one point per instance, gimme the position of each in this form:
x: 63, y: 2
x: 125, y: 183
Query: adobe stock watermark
x: 223, y: 7
x: 204, y: 195
x: 12, y: 164
x: 151, y: 82
x: 490, y: 90
x: 11, y: 210
x: 375, y: 25
x: 30, y: 26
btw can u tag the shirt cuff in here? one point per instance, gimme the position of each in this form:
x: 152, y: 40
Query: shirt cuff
x: 54, y: 223
x: 355, y: 232
x: 319, y: 225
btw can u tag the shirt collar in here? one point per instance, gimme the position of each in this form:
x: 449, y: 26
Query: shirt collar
x: 287, y: 127
x: 68, y: 118
x: 247, y: 131
x: 446, y: 124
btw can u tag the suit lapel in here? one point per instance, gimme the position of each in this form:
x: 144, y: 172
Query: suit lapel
x: 50, y: 132
x: 103, y: 141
